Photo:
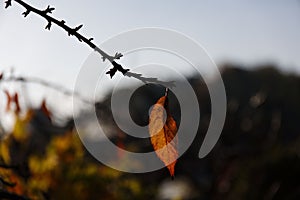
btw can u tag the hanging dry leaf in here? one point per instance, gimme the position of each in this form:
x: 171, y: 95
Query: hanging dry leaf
x: 163, y: 129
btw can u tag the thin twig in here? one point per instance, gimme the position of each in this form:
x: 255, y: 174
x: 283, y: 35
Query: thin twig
x: 44, y: 83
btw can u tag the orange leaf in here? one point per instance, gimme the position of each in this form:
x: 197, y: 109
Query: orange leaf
x: 163, y: 131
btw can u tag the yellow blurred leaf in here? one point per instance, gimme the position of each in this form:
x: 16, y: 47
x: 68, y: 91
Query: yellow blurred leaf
x: 20, y: 129
x: 4, y: 148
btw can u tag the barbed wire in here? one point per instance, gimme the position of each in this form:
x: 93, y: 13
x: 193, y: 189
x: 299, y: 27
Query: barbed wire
x: 71, y: 32
x: 74, y: 32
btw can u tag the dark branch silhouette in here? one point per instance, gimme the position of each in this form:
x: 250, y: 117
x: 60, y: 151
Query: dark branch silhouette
x: 8, y: 195
x: 74, y: 32
x: 9, y: 184
x: 4, y: 166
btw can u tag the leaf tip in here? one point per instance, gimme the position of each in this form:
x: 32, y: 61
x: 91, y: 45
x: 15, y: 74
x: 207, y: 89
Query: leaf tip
x: 171, y: 169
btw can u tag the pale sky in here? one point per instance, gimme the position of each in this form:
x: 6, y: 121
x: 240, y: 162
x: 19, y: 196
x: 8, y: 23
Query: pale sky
x: 245, y: 32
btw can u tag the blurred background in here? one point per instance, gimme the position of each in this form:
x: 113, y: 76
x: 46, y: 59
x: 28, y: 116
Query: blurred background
x: 256, y: 46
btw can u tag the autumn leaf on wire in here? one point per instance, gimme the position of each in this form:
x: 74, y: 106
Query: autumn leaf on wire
x: 163, y: 129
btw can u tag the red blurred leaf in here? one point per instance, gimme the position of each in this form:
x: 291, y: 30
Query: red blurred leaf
x: 163, y: 131
x: 9, y: 100
x: 45, y: 109
x: 12, y: 99
x: 16, y: 100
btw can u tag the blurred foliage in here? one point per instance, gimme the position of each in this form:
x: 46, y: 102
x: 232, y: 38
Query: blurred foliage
x: 60, y: 170
x: 257, y: 156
